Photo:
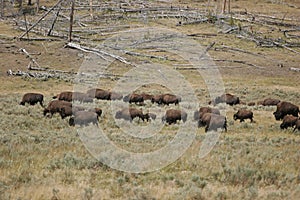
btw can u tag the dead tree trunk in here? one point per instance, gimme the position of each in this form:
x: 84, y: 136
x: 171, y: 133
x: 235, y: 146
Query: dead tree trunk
x: 54, y: 20
x: 37, y: 5
x: 71, y: 20
x: 91, y: 9
x: 2, y: 9
x: 224, y: 6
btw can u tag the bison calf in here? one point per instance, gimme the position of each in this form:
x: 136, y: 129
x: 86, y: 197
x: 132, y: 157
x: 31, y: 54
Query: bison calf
x: 199, y: 113
x: 226, y: 98
x: 243, y: 114
x: 56, y: 106
x: 173, y: 115
x: 288, y: 121
x: 130, y: 113
x: 32, y: 99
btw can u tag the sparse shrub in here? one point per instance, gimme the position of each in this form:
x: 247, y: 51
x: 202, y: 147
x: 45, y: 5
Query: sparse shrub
x: 67, y: 177
x: 221, y: 196
x: 88, y: 194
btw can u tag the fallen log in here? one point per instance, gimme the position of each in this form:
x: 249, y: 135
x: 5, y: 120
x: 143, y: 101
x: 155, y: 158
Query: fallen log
x: 97, y: 52
x: 30, y: 57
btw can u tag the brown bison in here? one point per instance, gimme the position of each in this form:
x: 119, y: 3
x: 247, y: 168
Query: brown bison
x: 133, y: 98
x: 82, y: 97
x: 130, y: 113
x: 157, y: 99
x: 227, y: 98
x: 99, y: 94
x: 172, y: 115
x: 166, y: 99
x: 170, y: 99
x: 199, y: 113
x: 213, y: 122
x: 32, y: 99
x: 243, y: 114
x: 288, y: 121
x: 84, y: 118
x: 270, y: 102
x: 284, y: 108
x: 55, y: 106
x: 98, y: 111
x: 66, y: 111
x: 297, y: 125
x: 73, y: 96
x: 64, y: 96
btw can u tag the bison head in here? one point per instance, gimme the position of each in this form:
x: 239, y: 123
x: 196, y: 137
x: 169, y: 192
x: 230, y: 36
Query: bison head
x: 277, y: 115
x: 235, y: 117
x: 282, y: 126
x: 45, y: 111
x: 22, y: 103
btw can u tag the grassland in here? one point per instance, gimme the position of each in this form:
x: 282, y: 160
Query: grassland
x: 44, y: 158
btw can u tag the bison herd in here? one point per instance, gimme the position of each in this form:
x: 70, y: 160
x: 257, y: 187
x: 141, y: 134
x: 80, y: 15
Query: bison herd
x: 206, y: 116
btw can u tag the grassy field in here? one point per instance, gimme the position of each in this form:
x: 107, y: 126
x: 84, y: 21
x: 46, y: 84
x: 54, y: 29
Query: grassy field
x: 44, y: 158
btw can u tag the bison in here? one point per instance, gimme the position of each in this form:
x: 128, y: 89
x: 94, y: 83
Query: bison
x: 133, y: 98
x: 199, y: 113
x: 99, y: 94
x: 32, y: 99
x: 170, y: 99
x: 66, y: 111
x: 82, y: 97
x: 130, y: 113
x: 227, y: 98
x: 172, y: 115
x: 243, y: 114
x: 73, y: 96
x: 157, y: 99
x: 84, y: 118
x: 270, y: 102
x: 55, y: 106
x: 213, y: 122
x: 64, y: 96
x: 284, y: 108
x: 288, y: 121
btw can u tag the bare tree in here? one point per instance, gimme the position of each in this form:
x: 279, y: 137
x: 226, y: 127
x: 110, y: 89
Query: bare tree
x: 224, y: 6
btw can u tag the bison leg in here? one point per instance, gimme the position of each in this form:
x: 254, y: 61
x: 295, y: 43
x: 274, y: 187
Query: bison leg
x: 41, y: 103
